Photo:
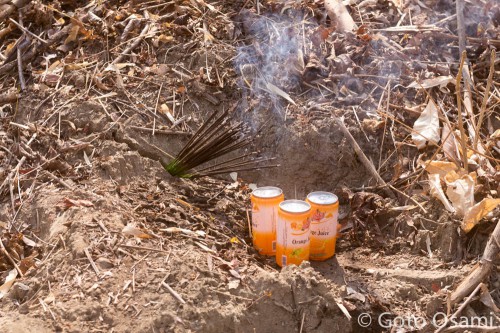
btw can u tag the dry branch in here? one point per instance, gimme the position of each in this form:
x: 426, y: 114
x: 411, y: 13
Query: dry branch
x: 134, y: 44
x: 340, y: 16
x: 366, y: 162
x: 174, y: 293
x: 481, y: 271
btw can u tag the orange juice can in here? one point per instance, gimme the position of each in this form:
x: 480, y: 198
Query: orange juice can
x: 324, y: 220
x: 265, y: 201
x: 292, y: 232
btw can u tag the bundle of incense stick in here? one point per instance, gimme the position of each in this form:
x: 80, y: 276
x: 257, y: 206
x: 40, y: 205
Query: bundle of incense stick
x: 216, y: 137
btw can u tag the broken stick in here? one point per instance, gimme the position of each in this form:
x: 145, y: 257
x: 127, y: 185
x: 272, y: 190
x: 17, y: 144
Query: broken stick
x: 132, y: 46
x: 481, y: 271
x: 366, y: 162
x: 174, y: 293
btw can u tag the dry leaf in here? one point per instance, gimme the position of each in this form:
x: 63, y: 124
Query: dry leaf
x: 234, y: 176
x: 233, y: 283
x: 209, y: 6
x: 132, y: 230
x: 50, y: 298
x: 477, y: 212
x: 450, y: 144
x: 67, y: 203
x: 165, y: 39
x: 235, y: 273
x: 72, y: 67
x: 440, y: 167
x: 235, y: 240
x: 426, y: 128
x: 277, y: 91
x: 437, y: 191
x: 59, y: 21
x: 207, y: 36
x: 73, y: 34
x: 29, y: 242
x: 9, y: 280
x: 461, y: 194
x: 441, y: 81
x: 87, y: 159
x: 206, y: 248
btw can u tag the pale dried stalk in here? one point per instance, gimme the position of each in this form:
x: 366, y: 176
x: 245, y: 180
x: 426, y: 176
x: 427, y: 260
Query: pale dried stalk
x: 480, y: 272
x: 485, y: 97
x: 174, y: 293
x: 459, y: 108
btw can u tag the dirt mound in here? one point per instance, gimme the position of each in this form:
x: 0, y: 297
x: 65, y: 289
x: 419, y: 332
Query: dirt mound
x: 97, y: 237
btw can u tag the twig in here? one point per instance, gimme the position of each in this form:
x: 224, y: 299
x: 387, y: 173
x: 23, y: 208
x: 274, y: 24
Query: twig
x: 485, y: 97
x: 409, y: 198
x: 13, y: 172
x: 132, y: 46
x: 20, y: 26
x: 57, y: 179
x: 4, y: 251
x: 480, y: 272
x: 459, y: 310
x: 156, y: 108
x: 459, y: 108
x: 366, y: 162
x: 302, y: 322
x: 20, y: 55
x: 166, y: 132
x: 174, y: 293
x: 92, y: 263
x: 249, y: 225
x: 142, y: 248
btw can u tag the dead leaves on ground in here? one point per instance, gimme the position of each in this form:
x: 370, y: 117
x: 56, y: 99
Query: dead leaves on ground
x: 460, y: 188
x: 67, y: 203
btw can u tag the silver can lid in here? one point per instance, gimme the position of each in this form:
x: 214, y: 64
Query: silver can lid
x: 322, y: 198
x: 295, y: 206
x: 267, y: 192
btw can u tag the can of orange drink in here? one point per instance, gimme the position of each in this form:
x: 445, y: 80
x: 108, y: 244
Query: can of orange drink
x: 292, y: 232
x: 265, y: 201
x: 324, y: 220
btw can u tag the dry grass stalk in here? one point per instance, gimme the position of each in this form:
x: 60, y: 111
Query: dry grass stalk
x: 174, y: 293
x: 463, y: 138
x: 485, y: 98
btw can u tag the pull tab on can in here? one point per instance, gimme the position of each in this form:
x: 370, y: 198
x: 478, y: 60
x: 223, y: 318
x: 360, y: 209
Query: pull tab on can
x: 324, y: 220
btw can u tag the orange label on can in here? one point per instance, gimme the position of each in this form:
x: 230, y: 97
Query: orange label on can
x: 292, y: 236
x: 264, y: 215
x: 324, y: 220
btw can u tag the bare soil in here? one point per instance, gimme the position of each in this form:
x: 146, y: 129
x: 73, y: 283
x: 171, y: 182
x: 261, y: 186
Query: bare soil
x: 92, y: 174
